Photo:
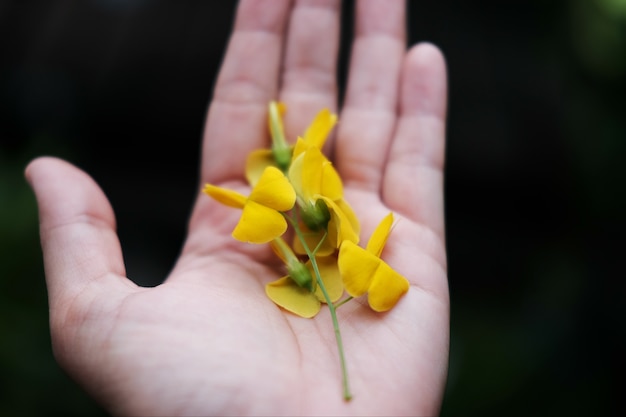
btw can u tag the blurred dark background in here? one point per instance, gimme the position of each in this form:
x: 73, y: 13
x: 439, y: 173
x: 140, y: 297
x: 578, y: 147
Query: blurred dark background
x: 535, y: 180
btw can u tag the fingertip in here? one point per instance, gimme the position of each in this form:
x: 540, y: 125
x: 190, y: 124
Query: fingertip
x: 42, y: 166
x: 64, y: 191
x: 425, y: 81
x: 418, y: 150
x: 77, y: 226
x: 427, y: 51
x: 33, y: 166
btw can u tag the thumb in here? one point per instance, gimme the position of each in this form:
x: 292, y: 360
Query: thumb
x: 77, y: 230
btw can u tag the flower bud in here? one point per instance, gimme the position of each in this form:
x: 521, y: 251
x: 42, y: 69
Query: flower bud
x: 301, y: 275
x: 296, y: 270
x: 280, y: 149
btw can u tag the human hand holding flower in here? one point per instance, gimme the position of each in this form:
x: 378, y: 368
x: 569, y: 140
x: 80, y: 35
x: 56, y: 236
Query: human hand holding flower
x: 208, y: 341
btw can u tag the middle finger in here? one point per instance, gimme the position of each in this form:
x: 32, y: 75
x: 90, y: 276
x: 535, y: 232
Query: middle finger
x: 309, y: 76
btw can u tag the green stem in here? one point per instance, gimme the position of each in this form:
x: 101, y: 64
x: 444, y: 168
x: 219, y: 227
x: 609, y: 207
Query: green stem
x: 347, y: 395
x: 333, y: 313
x: 342, y: 302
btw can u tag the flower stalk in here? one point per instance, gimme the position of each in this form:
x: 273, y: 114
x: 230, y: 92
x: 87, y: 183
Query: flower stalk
x: 347, y: 395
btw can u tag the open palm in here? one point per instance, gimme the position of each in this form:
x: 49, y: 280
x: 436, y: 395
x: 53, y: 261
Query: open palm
x: 208, y: 341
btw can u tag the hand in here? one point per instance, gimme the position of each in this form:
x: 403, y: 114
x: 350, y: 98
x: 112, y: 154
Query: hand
x: 208, y: 341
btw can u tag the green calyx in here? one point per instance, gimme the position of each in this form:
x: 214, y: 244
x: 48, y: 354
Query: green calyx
x: 301, y: 276
x: 315, y: 216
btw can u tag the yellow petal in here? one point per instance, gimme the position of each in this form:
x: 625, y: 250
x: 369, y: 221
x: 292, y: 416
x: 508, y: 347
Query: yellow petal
x: 378, y: 239
x: 318, y: 131
x: 300, y: 146
x: 329, y: 272
x: 274, y: 190
x: 256, y: 163
x: 277, y: 109
x: 319, y: 176
x: 259, y: 224
x: 312, y: 171
x: 312, y: 239
x: 339, y: 226
x: 225, y: 196
x: 357, y: 268
x: 295, y: 175
x: 350, y: 215
x: 331, y: 185
x: 386, y: 288
x: 287, y: 294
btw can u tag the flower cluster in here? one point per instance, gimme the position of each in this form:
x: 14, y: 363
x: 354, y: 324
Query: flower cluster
x: 297, y: 185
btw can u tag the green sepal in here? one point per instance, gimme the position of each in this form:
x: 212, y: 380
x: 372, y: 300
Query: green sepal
x: 316, y: 216
x: 301, y: 275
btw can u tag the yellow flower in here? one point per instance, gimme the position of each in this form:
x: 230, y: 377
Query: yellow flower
x: 320, y: 197
x: 280, y: 155
x: 301, y: 301
x: 261, y: 219
x: 362, y: 270
x: 317, y: 132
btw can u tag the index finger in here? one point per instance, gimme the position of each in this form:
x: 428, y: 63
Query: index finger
x: 247, y: 81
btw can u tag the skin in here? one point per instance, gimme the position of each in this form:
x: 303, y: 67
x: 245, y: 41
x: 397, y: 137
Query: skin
x: 207, y: 341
